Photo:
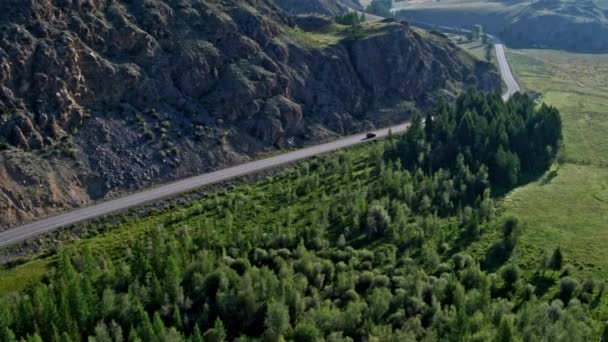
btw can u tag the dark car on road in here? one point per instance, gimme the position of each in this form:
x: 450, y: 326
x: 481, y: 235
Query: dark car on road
x: 370, y: 135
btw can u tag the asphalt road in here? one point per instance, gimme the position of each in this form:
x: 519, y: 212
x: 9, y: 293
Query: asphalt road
x: 19, y: 234
x: 506, y: 73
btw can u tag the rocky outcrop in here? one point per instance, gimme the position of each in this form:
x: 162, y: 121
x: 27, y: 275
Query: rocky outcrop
x: 109, y: 96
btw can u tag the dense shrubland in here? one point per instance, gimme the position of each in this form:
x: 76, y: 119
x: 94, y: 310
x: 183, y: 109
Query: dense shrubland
x: 349, y: 247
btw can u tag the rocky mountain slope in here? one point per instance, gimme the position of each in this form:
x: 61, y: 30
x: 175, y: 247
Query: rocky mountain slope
x: 99, y: 97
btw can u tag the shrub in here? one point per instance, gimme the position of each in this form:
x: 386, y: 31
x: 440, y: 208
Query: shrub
x: 306, y: 332
x: 350, y: 19
x: 567, y: 288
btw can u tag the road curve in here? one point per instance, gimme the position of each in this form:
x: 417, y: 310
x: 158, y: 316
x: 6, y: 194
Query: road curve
x: 505, y: 72
x: 22, y: 233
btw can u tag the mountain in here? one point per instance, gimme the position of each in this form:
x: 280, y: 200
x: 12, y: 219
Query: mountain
x: 574, y: 26
x: 578, y: 25
x: 323, y: 7
x: 100, y: 97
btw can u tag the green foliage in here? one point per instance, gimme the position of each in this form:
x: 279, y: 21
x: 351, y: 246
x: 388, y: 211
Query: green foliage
x: 343, y: 248
x: 350, y: 19
x: 511, y: 139
x: 380, y: 7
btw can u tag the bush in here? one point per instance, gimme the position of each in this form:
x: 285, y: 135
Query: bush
x: 306, y: 332
x: 567, y: 288
x: 378, y: 221
x: 350, y: 19
x: 510, y: 276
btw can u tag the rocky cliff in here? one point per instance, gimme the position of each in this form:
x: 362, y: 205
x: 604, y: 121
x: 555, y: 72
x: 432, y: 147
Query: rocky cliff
x: 99, y: 97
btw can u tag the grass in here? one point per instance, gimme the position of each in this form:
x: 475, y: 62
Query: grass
x: 568, y: 206
x: 334, y: 33
x: 569, y: 210
x: 17, y: 278
x: 324, y: 37
x: 578, y: 85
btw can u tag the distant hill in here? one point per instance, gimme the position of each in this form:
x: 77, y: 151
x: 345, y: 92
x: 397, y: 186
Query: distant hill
x: 569, y: 25
x: 323, y: 7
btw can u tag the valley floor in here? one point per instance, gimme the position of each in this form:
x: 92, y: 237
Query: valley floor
x: 568, y: 206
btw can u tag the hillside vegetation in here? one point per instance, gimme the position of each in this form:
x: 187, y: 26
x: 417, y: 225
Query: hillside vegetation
x: 368, y: 244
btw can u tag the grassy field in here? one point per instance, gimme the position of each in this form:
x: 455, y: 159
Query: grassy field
x: 578, y: 85
x: 569, y: 206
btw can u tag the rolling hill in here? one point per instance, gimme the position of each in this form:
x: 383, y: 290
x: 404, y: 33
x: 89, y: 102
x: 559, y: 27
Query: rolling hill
x: 569, y: 25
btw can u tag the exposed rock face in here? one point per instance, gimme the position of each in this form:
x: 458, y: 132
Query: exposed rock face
x: 103, y: 96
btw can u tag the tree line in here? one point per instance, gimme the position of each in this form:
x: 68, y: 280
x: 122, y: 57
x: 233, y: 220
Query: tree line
x: 368, y: 244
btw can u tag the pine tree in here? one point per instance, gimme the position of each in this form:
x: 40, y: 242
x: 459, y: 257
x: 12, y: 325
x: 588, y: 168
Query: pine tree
x: 505, y: 331
x: 557, y: 259
x: 277, y: 321
x: 196, y: 335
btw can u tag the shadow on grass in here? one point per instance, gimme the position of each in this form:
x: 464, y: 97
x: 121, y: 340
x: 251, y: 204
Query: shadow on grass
x: 546, y: 180
x: 525, y: 179
x: 497, y: 255
x: 542, y: 284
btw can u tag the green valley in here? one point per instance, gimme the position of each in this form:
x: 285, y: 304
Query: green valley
x: 392, y: 241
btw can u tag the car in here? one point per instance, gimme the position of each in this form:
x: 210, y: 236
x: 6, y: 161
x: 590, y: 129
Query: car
x: 370, y: 135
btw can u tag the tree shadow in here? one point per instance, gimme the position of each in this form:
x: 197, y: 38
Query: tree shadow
x: 542, y: 284
x: 499, y: 191
x: 497, y: 255
x: 466, y: 237
x: 597, y: 300
x: 548, y: 177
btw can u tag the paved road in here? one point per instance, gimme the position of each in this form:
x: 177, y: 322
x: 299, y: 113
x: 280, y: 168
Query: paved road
x: 22, y: 233
x: 505, y: 72
x: 25, y: 232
